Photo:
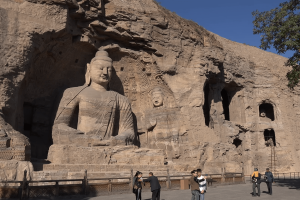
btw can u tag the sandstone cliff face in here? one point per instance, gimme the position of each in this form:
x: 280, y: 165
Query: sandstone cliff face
x: 230, y: 98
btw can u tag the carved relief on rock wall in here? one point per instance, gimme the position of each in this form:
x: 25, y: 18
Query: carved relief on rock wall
x: 141, y: 81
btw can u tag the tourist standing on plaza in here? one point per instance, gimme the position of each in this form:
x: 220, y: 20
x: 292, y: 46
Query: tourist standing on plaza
x: 269, y: 180
x: 256, y: 176
x: 155, y: 186
x: 201, y: 180
x: 137, y: 185
x: 194, y: 186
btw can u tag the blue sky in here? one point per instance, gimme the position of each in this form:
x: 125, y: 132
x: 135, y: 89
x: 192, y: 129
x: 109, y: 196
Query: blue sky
x: 231, y: 19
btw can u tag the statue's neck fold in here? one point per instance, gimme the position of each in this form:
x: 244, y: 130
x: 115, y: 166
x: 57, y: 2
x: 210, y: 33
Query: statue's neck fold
x: 98, y: 87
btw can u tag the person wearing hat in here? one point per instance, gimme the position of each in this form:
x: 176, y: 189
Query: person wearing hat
x: 256, y: 176
x: 269, y: 180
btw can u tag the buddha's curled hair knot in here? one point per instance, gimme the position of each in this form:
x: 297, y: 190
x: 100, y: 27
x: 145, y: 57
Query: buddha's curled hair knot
x: 101, y: 55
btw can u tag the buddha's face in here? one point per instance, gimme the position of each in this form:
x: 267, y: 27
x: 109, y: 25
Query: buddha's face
x: 100, y: 72
x: 157, y: 99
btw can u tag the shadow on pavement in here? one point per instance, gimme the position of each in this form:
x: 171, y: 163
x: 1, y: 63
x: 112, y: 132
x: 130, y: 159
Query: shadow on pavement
x: 291, y: 184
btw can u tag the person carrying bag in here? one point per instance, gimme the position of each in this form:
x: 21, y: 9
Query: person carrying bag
x: 137, y: 185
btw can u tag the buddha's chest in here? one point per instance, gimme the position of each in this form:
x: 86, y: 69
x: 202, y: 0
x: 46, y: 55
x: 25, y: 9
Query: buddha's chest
x: 96, y: 101
x: 101, y: 106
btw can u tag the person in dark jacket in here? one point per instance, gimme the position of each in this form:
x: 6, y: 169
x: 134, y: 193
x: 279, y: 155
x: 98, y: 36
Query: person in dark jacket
x: 137, y: 185
x: 269, y: 180
x: 256, y: 176
x: 155, y: 186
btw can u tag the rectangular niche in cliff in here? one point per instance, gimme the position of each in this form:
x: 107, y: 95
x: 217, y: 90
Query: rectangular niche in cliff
x: 28, y: 117
x: 266, y: 110
x: 270, y: 139
x: 206, y: 106
x: 225, y: 103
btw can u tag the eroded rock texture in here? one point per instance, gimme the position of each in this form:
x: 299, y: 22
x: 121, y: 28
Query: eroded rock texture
x: 225, y: 104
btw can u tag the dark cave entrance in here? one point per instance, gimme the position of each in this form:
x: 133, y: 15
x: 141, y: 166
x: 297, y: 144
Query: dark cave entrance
x: 28, y: 117
x: 269, y: 135
x: 237, y: 142
x: 225, y: 103
x: 266, y: 110
x: 206, y: 106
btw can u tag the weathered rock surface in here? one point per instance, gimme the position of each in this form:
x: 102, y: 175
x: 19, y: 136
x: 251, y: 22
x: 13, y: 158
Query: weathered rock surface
x: 230, y: 98
x: 14, y: 170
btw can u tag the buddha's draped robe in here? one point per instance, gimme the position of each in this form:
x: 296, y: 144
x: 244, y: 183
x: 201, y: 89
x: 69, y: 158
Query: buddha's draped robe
x: 98, y: 118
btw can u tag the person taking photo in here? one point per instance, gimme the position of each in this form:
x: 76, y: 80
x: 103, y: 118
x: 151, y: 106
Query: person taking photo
x: 256, y: 180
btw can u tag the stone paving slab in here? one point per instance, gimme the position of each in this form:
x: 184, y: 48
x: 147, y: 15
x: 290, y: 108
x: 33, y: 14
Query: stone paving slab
x: 289, y: 190
x: 282, y: 190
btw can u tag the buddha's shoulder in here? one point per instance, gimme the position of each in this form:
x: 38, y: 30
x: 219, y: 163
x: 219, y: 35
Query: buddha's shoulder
x: 73, y: 91
x: 118, y: 95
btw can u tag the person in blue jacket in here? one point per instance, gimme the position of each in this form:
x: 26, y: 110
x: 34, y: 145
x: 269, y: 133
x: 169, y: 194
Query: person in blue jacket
x: 269, y: 180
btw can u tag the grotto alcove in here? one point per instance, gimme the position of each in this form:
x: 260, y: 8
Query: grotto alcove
x: 60, y: 64
x: 207, y: 102
x: 231, y: 102
x: 266, y: 111
x: 237, y: 142
x: 269, y: 136
x: 225, y: 103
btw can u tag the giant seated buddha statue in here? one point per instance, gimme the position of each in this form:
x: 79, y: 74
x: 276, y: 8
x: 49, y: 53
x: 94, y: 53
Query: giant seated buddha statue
x: 93, y: 123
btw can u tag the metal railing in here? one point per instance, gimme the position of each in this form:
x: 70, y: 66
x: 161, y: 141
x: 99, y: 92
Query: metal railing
x: 100, y: 186
x: 284, y: 176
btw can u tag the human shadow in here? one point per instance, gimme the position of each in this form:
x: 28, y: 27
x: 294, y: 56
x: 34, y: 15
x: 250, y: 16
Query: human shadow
x: 293, y: 184
x: 151, y: 199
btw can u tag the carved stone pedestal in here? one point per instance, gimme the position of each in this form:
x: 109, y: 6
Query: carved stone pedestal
x: 118, y: 155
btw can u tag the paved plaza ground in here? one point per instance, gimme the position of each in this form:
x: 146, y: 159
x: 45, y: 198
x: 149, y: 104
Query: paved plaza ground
x: 283, y: 190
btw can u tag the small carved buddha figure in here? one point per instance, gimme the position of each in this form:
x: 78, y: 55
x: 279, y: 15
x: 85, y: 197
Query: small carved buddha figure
x: 162, y: 126
x: 91, y: 115
x: 162, y: 121
x: 263, y: 113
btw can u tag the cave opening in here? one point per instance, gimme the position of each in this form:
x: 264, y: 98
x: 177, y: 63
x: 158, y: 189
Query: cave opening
x: 266, y: 110
x: 28, y: 118
x: 225, y: 103
x: 237, y: 142
x: 269, y: 135
x: 206, y: 106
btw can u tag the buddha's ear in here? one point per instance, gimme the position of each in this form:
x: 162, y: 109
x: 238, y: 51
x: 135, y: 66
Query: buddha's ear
x: 87, y: 75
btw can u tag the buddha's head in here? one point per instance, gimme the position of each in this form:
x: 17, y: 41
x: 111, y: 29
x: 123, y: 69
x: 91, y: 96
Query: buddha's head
x: 100, y: 69
x: 157, y: 97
